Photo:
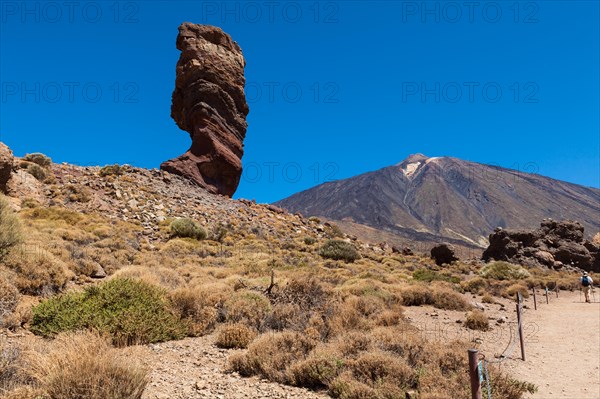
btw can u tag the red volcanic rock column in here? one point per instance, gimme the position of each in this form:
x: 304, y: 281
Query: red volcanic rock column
x: 209, y: 103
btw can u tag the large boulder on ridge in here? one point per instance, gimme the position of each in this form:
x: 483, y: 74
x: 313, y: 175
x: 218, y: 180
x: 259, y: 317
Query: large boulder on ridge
x: 6, y: 165
x: 554, y: 244
x: 209, y: 103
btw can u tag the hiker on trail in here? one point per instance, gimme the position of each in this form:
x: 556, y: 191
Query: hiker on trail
x: 586, y: 283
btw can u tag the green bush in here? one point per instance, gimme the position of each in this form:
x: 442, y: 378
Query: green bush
x: 38, y: 159
x: 501, y: 270
x: 10, y: 228
x: 37, y: 171
x: 187, y: 228
x: 130, y: 311
x: 339, y: 250
x: 429, y: 276
x: 111, y: 170
x: 309, y: 240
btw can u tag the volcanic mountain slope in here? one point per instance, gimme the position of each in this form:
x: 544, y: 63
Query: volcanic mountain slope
x: 442, y: 198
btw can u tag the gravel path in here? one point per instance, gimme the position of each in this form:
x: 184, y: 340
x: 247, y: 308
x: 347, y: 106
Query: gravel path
x: 194, y: 368
x: 563, y: 350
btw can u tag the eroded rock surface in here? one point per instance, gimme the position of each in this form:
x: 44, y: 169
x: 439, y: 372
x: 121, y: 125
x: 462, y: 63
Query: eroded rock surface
x: 209, y: 103
x: 555, y: 244
x: 6, y: 165
x: 444, y: 254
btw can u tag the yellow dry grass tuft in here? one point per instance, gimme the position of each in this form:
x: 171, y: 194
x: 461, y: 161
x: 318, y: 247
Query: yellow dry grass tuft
x: 84, y: 365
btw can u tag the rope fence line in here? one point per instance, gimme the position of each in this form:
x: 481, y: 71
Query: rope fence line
x: 478, y: 362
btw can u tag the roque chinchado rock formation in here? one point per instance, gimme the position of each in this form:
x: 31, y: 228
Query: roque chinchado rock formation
x: 209, y: 103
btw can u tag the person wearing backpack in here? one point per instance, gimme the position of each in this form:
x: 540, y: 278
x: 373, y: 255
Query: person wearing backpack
x: 586, y: 283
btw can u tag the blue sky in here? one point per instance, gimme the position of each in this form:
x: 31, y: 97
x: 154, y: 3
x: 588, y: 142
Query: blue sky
x: 335, y: 88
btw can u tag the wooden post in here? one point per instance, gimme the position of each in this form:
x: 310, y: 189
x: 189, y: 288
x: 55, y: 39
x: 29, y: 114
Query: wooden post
x: 547, y: 295
x: 520, y: 326
x: 556, y: 288
x: 534, y: 299
x: 474, y: 373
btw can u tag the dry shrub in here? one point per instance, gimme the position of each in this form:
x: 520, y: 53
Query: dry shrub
x: 38, y: 159
x: 37, y: 272
x: 504, y: 386
x: 248, y: 307
x: 568, y: 282
x: 9, y: 299
x: 29, y: 203
x: 179, y: 248
x: 10, y: 228
x: 346, y: 387
x: 193, y: 307
x: 296, y: 303
x: 500, y: 270
x: 434, y: 385
x: 25, y: 392
x: 306, y: 292
x: 77, y: 193
x: 37, y: 171
x: 377, y: 367
x: 366, y: 306
x: 474, y: 285
x: 21, y: 315
x: 345, y: 317
x: 477, y: 320
x: 352, y: 343
x: 488, y: 299
x: 83, y: 365
x: 404, y: 341
x: 161, y: 276
x: 374, y: 375
x: 235, y: 335
x: 388, y: 318
x: 111, y: 170
x: 10, y: 364
x: 55, y: 214
x: 319, y: 369
x: 417, y: 295
x: 287, y: 316
x: 517, y: 288
x: 437, y: 295
x: 444, y: 298
x: 271, y: 355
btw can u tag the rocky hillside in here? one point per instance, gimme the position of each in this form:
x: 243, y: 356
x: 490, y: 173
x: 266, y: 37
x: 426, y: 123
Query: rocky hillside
x: 255, y: 291
x: 434, y: 199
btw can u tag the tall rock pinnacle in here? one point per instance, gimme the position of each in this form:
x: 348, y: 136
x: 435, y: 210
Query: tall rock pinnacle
x: 209, y: 103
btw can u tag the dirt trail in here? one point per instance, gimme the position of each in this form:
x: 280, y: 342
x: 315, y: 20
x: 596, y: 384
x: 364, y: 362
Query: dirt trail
x: 562, y: 348
x: 193, y: 368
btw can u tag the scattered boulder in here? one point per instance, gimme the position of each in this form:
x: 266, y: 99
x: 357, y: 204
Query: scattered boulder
x: 276, y: 209
x: 554, y: 244
x: 443, y: 253
x: 544, y: 257
x: 6, y: 165
x: 209, y: 103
